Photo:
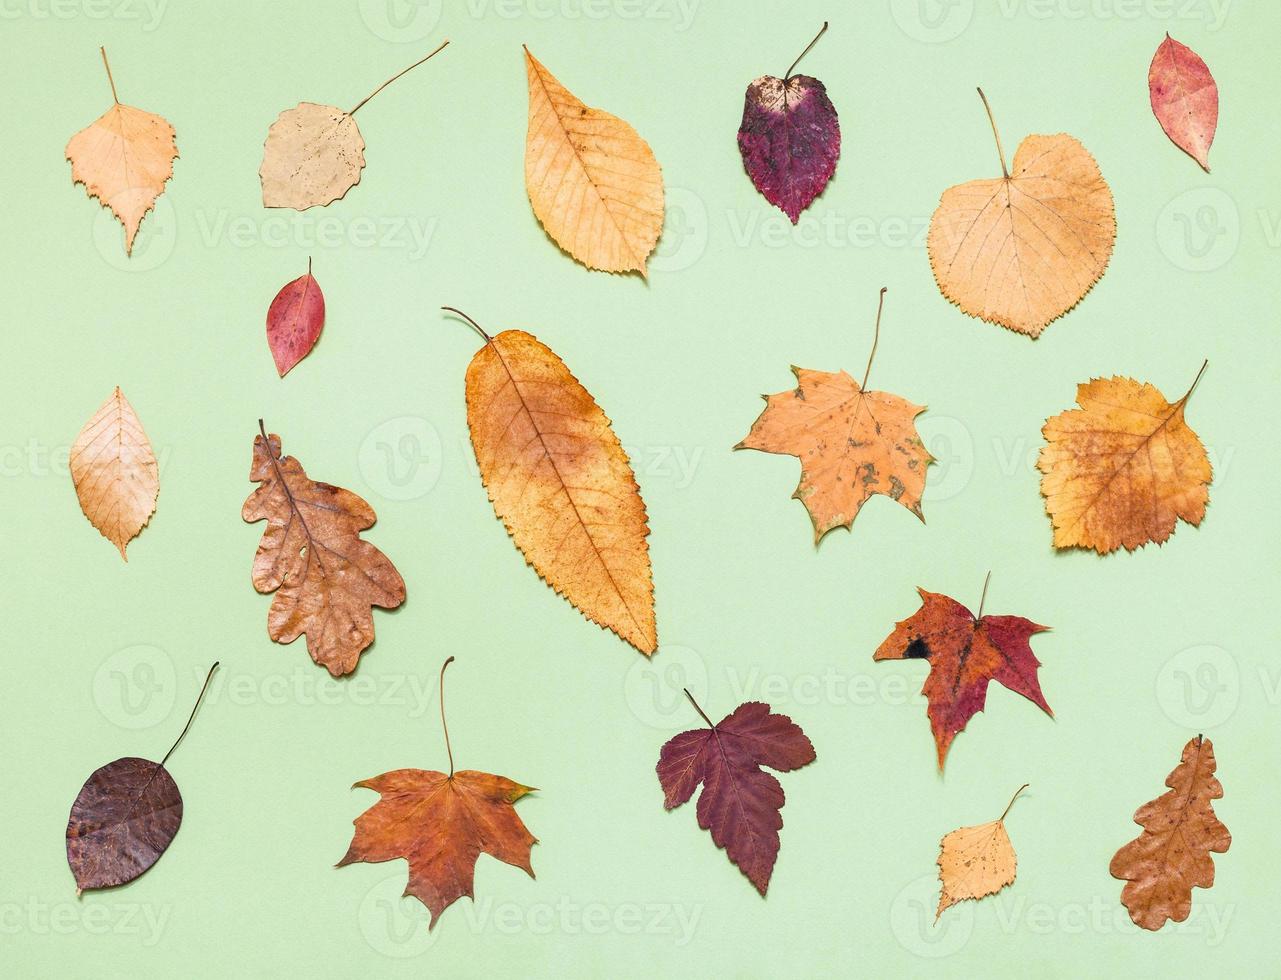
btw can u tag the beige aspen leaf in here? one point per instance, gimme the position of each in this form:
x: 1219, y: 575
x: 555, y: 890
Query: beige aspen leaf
x: 561, y: 482
x: 1023, y: 249
x: 314, y: 153
x: 592, y: 181
x: 976, y: 861
x: 123, y: 158
x: 115, y: 472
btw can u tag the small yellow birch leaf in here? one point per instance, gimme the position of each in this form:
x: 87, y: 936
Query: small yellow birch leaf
x: 592, y: 181
x: 976, y: 861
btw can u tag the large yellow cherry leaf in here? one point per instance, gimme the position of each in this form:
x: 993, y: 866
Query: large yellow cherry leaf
x: 976, y: 861
x: 123, y: 158
x: 592, y: 181
x: 1023, y: 249
x: 1122, y: 468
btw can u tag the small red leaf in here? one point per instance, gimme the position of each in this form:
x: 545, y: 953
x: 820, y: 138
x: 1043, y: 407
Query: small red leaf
x: 294, y: 321
x: 1185, y: 99
x: 740, y: 802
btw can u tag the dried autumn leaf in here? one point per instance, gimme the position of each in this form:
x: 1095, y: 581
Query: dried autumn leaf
x: 852, y: 444
x: 976, y: 861
x: 115, y: 472
x: 1163, y: 864
x: 592, y: 181
x: 314, y: 153
x: 561, y: 483
x: 740, y: 803
x: 1121, y: 469
x: 1185, y: 99
x: 294, y: 321
x: 123, y: 158
x: 440, y: 825
x: 124, y: 817
x: 965, y: 652
x: 327, y: 579
x: 790, y: 138
x: 1025, y: 248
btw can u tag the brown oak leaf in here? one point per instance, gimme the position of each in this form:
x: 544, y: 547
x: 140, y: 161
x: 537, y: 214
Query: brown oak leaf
x: 327, y: 579
x: 852, y: 444
x: 441, y: 824
x: 1163, y: 864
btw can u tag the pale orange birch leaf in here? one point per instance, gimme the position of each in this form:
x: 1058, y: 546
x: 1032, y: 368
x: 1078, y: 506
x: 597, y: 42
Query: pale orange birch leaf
x: 1023, y: 249
x: 123, y: 158
x: 561, y: 483
x: 1121, y: 469
x: 976, y: 861
x: 592, y: 181
x: 115, y: 472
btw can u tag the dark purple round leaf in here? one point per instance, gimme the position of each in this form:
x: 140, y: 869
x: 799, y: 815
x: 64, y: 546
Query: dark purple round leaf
x: 790, y: 140
x: 127, y: 813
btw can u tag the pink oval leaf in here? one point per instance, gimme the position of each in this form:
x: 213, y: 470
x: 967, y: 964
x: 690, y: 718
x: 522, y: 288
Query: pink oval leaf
x: 294, y: 321
x: 790, y: 138
x: 1185, y: 99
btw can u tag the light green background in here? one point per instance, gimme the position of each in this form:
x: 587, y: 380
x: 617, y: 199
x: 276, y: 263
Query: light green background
x: 102, y: 659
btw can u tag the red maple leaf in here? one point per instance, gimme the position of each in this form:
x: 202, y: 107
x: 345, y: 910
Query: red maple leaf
x: 965, y: 652
x: 740, y: 802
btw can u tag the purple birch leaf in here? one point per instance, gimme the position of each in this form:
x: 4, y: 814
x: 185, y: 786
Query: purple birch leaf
x: 790, y: 138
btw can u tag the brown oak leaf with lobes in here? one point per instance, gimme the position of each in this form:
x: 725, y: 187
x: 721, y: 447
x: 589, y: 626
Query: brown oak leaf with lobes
x: 965, y: 653
x: 441, y: 824
x: 1163, y: 864
x: 1123, y: 468
x: 852, y: 444
x: 561, y: 483
x: 326, y: 577
x: 125, y: 817
x: 115, y: 472
x: 1022, y: 250
x: 740, y: 803
x: 124, y: 158
x: 975, y: 862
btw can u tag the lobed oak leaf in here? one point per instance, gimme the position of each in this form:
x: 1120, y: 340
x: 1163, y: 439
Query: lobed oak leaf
x: 125, y: 817
x: 1171, y: 856
x: 1025, y: 248
x: 313, y: 154
x: 327, y: 579
x: 1121, y: 470
x: 115, y: 473
x: 740, y: 803
x: 294, y: 321
x: 592, y: 181
x: 441, y: 824
x: 975, y: 862
x: 790, y: 138
x: 965, y: 653
x: 852, y: 444
x: 123, y: 158
x: 1185, y: 99
x: 561, y: 482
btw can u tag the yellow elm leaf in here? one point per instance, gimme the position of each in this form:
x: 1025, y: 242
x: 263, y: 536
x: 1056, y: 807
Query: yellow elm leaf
x: 976, y: 861
x: 115, y: 472
x: 1121, y: 469
x: 123, y: 158
x: 592, y: 181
